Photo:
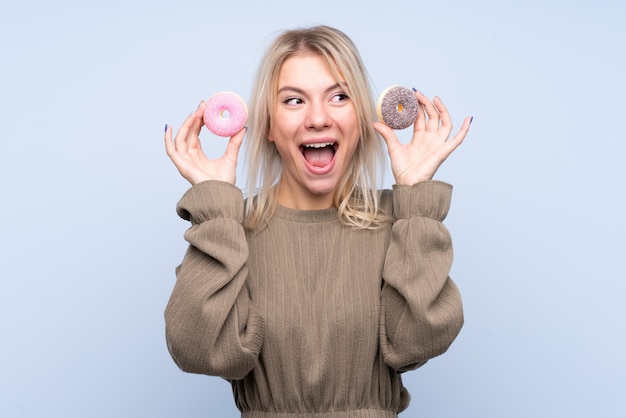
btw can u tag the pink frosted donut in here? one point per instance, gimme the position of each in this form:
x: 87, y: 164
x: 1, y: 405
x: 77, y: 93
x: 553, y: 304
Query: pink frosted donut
x: 225, y: 113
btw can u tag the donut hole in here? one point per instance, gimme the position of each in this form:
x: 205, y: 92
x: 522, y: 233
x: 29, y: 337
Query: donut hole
x: 399, y: 107
x: 224, y: 114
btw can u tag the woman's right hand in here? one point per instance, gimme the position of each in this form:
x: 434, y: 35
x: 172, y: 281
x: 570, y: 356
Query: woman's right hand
x: 186, y: 152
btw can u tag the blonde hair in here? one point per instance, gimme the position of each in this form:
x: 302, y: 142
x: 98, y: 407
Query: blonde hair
x: 356, y: 196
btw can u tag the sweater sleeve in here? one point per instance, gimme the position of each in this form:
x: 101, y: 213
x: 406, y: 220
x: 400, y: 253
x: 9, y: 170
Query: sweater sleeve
x: 211, y: 324
x: 421, y: 310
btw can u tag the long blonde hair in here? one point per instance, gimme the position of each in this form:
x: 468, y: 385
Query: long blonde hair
x: 356, y: 196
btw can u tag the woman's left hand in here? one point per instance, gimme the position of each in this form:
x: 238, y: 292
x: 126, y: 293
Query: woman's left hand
x: 430, y: 146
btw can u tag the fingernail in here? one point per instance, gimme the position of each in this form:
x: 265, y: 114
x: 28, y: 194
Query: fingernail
x: 414, y: 89
x: 246, y: 128
x: 166, y: 127
x: 471, y: 119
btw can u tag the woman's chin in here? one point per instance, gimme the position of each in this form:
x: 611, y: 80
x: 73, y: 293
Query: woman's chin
x: 321, y: 187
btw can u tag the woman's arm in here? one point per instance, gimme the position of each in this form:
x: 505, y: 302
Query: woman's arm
x: 421, y: 310
x: 212, y: 326
x: 420, y: 306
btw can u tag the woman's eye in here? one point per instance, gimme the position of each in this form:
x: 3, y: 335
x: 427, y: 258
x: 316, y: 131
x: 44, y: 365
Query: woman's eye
x: 340, y: 97
x: 292, y: 101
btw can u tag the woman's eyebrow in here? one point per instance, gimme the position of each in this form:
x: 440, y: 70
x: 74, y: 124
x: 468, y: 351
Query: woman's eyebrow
x: 301, y: 91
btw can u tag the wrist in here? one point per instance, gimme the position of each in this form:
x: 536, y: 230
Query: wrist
x: 410, y: 181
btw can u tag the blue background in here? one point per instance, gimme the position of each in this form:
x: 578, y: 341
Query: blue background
x: 89, y: 238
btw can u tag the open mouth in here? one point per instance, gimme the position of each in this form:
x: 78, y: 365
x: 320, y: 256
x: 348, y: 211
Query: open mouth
x: 319, y: 154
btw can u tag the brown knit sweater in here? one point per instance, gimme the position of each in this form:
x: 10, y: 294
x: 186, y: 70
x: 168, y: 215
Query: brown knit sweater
x: 309, y: 316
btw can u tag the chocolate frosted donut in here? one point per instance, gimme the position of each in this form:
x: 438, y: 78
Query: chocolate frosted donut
x: 397, y: 107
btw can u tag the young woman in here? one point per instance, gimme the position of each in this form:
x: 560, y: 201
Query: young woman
x: 313, y: 295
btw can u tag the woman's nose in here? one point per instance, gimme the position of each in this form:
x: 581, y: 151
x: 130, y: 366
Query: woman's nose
x: 318, y: 116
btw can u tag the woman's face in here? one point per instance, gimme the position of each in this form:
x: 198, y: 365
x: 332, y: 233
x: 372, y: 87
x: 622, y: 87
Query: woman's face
x: 315, y: 129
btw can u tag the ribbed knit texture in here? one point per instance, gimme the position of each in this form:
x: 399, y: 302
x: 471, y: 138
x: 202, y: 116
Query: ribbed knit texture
x: 309, y: 317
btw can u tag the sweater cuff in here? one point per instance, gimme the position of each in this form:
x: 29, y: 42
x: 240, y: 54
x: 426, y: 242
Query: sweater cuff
x: 210, y: 200
x: 430, y: 199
